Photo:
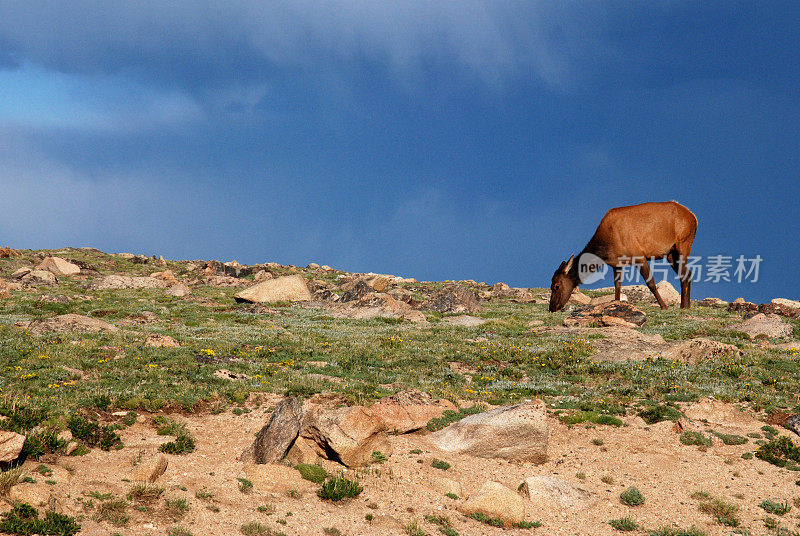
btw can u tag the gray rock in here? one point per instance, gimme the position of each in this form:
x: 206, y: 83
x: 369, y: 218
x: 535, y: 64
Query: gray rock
x: 453, y: 298
x: 496, y: 501
x: 765, y: 325
x: 119, y: 282
x: 287, y: 288
x: 516, y: 433
x: 10, y: 445
x: 274, y: 440
x: 559, y: 493
x: 465, y: 321
x: 615, y: 313
x: 347, y: 435
x: 71, y: 323
x: 36, y: 278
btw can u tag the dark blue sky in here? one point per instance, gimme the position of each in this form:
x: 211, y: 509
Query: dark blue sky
x: 437, y: 140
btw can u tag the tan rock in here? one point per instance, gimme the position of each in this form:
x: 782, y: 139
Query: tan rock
x: 36, y: 278
x: 156, y: 340
x: 465, y: 321
x: 58, y: 266
x: 10, y: 445
x: 551, y: 491
x: 409, y: 410
x: 303, y: 451
x: 166, y: 275
x: 445, y: 486
x: 349, y: 435
x: 717, y: 412
x: 71, y: 323
x: 579, y: 298
x: 262, y: 275
x: 496, y: 501
x: 700, y: 349
x: 615, y: 313
x: 768, y: 326
x: 178, y: 290
x: 119, y: 282
x: 516, y: 433
x: 791, y: 304
x: 287, y: 288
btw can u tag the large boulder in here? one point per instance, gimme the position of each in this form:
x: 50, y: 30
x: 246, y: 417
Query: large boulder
x: 59, y: 266
x: 274, y: 440
x: 791, y: 304
x: 119, y: 282
x: 554, y: 492
x: 765, y: 325
x: 35, y: 278
x: 156, y: 340
x: 642, y: 293
x: 379, y: 305
x: 409, y: 410
x: 276, y: 479
x: 701, y: 349
x: 10, y: 445
x: 497, y: 502
x: 70, y: 323
x: 517, y: 433
x: 287, y: 288
x: 615, y: 313
x: 348, y: 435
x: 453, y: 298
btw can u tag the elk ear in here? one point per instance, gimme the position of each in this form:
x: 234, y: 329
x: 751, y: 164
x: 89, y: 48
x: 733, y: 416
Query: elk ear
x: 569, y: 264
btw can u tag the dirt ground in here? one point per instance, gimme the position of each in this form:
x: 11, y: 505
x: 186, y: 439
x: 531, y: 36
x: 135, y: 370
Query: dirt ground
x: 398, y: 491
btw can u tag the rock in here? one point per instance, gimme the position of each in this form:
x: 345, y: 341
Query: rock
x: 156, y: 340
x: 739, y: 301
x: 378, y: 282
x: 276, y: 478
x: 501, y: 290
x: 69, y: 323
x: 558, y: 493
x: 36, y: 278
x: 150, y: 467
x: 348, y: 435
x: 713, y: 302
x: 779, y: 308
x: 276, y: 437
x: 791, y: 304
x: 609, y: 314
x: 34, y: 494
x: 158, y: 469
x: 166, y: 275
x: 313, y: 266
x: 717, y: 412
x: 453, y: 298
x: 10, y: 445
x: 409, y: 410
x: 700, y: 349
x: 793, y: 423
x: 303, y: 451
x: 355, y: 290
x: 375, y: 305
x: 607, y: 298
x: 496, y: 501
x: 445, y: 486
x: 465, y: 321
x: 178, y: 290
x: 287, y: 288
x: 58, y: 266
x: 262, y: 275
x: 641, y: 293
x: 517, y: 433
x: 579, y: 298
x: 119, y: 282
x: 768, y: 326
x: 6, y: 252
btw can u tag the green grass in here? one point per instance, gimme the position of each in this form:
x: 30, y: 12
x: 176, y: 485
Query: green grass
x: 777, y: 508
x: 625, y: 524
x: 631, y: 497
x: 724, y: 512
x: 695, y: 438
x: 781, y: 452
x: 338, y: 489
x: 440, y: 464
x: 450, y: 416
x: 660, y: 412
x: 24, y: 519
x: 312, y: 473
x: 675, y: 531
x: 184, y: 442
x: 48, y: 378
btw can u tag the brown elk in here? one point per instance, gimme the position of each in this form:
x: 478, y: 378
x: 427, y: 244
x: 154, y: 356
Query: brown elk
x: 631, y: 235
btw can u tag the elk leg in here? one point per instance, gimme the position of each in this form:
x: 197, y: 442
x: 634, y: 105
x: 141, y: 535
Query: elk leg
x: 644, y: 269
x: 617, y: 282
x: 685, y: 275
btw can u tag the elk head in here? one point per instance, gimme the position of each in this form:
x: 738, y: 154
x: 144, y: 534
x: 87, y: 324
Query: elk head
x: 562, y: 285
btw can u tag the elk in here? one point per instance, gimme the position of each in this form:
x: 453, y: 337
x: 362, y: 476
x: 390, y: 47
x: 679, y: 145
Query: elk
x: 631, y: 235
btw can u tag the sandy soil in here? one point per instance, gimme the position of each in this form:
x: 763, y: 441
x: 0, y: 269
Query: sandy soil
x: 396, y: 492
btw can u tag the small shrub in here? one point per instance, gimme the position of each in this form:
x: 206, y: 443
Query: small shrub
x: 331, y: 531
x: 451, y: 496
x: 747, y: 456
x: 781, y: 452
x: 731, y: 439
x: 339, y: 488
x: 144, y: 493
x: 245, y: 486
x: 624, y: 524
x: 257, y: 529
x: 675, y: 531
x: 607, y: 479
x: 591, y: 416
x: 597, y: 441
x: 415, y: 451
x: 662, y: 412
x: 724, y: 512
x: 312, y: 473
x: 440, y: 464
x: 184, y: 441
x: 483, y: 518
x: 176, y: 508
x: 378, y: 457
x: 694, y: 438
x: 528, y: 524
x: 413, y: 529
x: 9, y: 479
x: 631, y: 497
x: 178, y: 531
x: 772, y: 507
x: 113, y: 511
x: 24, y: 519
